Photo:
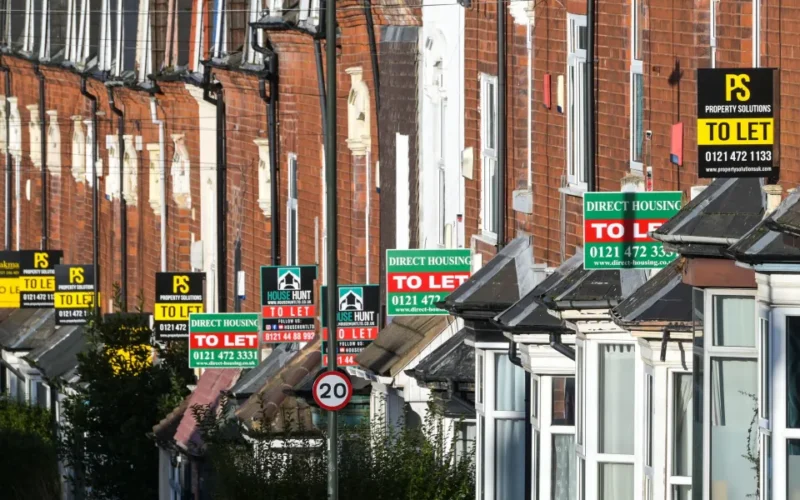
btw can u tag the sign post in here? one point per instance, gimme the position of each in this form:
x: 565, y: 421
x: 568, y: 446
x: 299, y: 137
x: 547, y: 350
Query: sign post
x: 287, y: 303
x: 358, y: 320
x: 616, y: 229
x: 736, y: 122
x: 177, y: 296
x: 38, y: 277
x: 75, y: 294
x: 224, y: 340
x: 417, y: 279
x: 332, y: 390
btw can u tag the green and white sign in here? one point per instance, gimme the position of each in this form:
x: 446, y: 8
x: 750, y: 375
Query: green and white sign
x: 417, y: 279
x: 227, y: 340
x: 616, y: 228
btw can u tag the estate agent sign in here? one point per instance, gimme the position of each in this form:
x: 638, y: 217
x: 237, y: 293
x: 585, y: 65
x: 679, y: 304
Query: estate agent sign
x: 417, y: 279
x: 226, y: 340
x: 287, y: 303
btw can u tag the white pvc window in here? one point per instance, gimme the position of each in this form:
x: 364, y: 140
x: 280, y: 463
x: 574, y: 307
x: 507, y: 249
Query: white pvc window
x: 291, y: 213
x: 577, y: 98
x: 15, y: 24
x: 501, y: 429
x: 730, y: 388
x: 679, y: 430
x: 553, y: 418
x: 490, y: 183
x: 638, y: 21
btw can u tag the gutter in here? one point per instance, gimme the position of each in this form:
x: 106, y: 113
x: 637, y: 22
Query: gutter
x: 163, y: 174
x: 95, y: 197
x: 271, y: 68
x: 8, y: 222
x: 222, y: 189
x: 123, y: 206
x: 43, y: 152
x: 700, y: 240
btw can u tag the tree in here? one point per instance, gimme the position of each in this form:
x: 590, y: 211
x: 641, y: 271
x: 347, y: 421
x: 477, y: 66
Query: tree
x: 28, y: 462
x: 375, y: 463
x: 120, y: 396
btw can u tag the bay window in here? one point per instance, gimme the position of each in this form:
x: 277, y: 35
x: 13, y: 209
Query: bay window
x: 555, y: 468
x: 501, y: 427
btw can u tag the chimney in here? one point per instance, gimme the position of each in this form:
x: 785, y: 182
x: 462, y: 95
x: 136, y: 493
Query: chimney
x: 773, y: 192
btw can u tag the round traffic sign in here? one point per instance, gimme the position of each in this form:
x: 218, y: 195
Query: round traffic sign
x: 332, y: 390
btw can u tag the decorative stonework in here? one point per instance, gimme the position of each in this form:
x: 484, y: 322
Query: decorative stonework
x: 181, y: 173
x: 358, y: 113
x: 15, y: 130
x: 523, y: 11
x: 154, y: 196
x: 2, y: 123
x: 130, y: 171
x: 35, y: 136
x: 112, y: 182
x: 89, y: 155
x: 53, y: 144
x: 78, y: 149
x: 264, y: 178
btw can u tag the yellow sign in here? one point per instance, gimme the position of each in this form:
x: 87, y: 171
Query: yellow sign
x: 76, y: 276
x: 180, y: 284
x: 41, y: 260
x: 37, y: 283
x: 737, y: 83
x: 176, y: 311
x: 735, y: 131
x: 74, y: 300
x: 9, y: 293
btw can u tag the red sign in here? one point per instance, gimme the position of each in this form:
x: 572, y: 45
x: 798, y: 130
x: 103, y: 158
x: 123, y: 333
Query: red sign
x: 223, y: 340
x: 427, y: 282
x: 288, y: 311
x: 341, y: 360
x: 332, y: 390
x: 363, y: 333
x: 289, y: 336
x: 620, y: 231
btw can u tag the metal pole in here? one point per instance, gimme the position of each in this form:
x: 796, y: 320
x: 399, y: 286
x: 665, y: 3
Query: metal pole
x: 591, y: 181
x: 501, y: 128
x: 333, y: 279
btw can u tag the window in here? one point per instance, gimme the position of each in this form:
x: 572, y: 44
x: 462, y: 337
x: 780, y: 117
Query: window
x: 180, y: 172
x: 78, y: 149
x: 32, y: 28
x: 53, y: 40
x: 490, y: 182
x: 53, y: 143
x: 465, y: 439
x: 291, y: 213
x: 112, y: 182
x: 130, y: 172
x: 555, y: 475
x: 179, y: 35
x: 734, y: 321
x: 577, y: 95
x: 15, y: 17
x: 256, y: 9
x: 638, y: 19
x: 680, y: 432
x: 84, y: 28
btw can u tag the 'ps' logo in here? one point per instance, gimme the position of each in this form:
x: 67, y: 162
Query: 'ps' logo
x: 76, y: 275
x: 737, y: 84
x: 180, y: 284
x: 40, y: 260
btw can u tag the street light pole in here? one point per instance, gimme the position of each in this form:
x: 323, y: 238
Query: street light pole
x: 332, y: 271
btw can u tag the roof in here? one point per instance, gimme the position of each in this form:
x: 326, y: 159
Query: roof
x: 208, y: 392
x: 59, y: 354
x: 776, y: 238
x: 164, y: 431
x: 27, y: 329
x: 400, y: 342
x: 264, y: 404
x: 716, y: 218
x: 453, y: 361
x: 593, y: 289
x: 497, y: 285
x: 252, y: 380
x: 529, y: 314
x: 663, y: 302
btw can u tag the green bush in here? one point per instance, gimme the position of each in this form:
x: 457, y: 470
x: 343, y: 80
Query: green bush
x: 374, y: 464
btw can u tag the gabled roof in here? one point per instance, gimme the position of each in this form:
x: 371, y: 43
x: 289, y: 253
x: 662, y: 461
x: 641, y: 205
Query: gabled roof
x: 663, y: 302
x: 252, y: 380
x: 400, y: 342
x: 59, y: 354
x: 593, y: 289
x: 212, y: 384
x: 774, y: 239
x: 497, y: 285
x: 164, y: 431
x: 529, y: 314
x: 451, y: 362
x: 27, y: 329
x: 721, y: 214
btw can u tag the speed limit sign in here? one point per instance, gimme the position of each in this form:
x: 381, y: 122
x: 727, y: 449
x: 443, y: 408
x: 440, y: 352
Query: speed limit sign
x: 332, y: 390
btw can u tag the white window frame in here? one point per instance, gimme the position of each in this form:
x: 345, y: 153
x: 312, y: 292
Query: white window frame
x: 672, y: 479
x: 648, y: 419
x: 489, y: 216
x: 484, y: 460
x: 255, y: 12
x: 29, y: 31
x: 292, y: 194
x: 309, y: 12
x: 575, y: 58
x: 636, y: 70
x: 542, y: 423
x: 766, y: 399
x: 710, y: 353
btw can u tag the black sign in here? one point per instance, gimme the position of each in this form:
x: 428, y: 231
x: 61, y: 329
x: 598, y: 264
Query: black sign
x: 74, y: 295
x: 37, y: 281
x: 9, y: 280
x: 357, y: 321
x: 736, y: 123
x: 177, y: 296
x: 287, y: 303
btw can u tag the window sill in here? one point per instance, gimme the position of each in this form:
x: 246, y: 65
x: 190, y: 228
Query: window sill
x: 573, y: 190
x: 487, y: 238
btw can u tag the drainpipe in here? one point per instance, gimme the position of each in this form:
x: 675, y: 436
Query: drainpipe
x: 665, y: 337
x: 222, y: 191
x: 501, y: 129
x: 591, y: 184
x: 95, y: 196
x: 123, y: 206
x: 530, y: 105
x: 163, y: 173
x: 271, y: 69
x: 321, y: 86
x: 373, y: 51
x: 559, y: 347
x: 43, y: 153
x: 513, y: 356
x: 8, y: 206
